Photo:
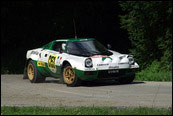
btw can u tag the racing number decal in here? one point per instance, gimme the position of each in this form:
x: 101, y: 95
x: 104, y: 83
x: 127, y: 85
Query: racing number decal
x: 52, y: 62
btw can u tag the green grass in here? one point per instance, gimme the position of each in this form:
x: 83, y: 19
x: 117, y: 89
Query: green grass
x: 146, y: 75
x: 154, y: 73
x: 83, y: 111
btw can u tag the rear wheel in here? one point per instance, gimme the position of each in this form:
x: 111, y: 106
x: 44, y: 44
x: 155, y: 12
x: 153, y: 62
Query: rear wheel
x: 69, y: 76
x: 33, y: 74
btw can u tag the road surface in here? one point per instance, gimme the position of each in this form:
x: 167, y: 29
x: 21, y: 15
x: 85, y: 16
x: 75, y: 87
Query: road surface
x: 18, y: 92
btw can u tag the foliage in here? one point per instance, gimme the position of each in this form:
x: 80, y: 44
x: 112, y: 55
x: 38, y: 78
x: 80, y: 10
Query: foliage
x: 5, y: 110
x: 4, y: 70
x: 149, y: 26
x: 153, y: 73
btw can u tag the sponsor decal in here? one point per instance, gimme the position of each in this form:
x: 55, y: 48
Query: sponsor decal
x: 102, y: 64
x: 58, y: 60
x: 103, y: 58
x: 40, y: 64
x: 35, y: 52
x: 52, y: 62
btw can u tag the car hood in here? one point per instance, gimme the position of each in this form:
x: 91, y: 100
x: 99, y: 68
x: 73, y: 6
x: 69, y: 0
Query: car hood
x: 116, y: 60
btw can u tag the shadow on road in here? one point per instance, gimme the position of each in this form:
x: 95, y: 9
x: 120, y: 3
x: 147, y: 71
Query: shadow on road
x: 52, y: 81
x: 107, y: 83
x: 96, y: 83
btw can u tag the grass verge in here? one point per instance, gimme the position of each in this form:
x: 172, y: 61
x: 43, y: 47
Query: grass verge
x: 154, y: 72
x: 6, y: 110
x: 146, y: 75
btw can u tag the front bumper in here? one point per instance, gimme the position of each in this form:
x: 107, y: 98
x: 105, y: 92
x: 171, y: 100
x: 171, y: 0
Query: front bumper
x: 104, y: 74
x: 115, y: 73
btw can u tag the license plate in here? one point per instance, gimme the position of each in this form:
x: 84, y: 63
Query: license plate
x: 113, y: 71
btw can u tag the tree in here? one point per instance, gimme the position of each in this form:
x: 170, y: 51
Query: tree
x: 149, y: 26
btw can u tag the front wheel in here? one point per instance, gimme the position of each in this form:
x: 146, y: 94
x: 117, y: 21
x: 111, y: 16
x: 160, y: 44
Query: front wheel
x: 69, y: 76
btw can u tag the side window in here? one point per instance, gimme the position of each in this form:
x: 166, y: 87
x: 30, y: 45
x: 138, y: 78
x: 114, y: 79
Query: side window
x: 46, y: 46
x: 58, y: 46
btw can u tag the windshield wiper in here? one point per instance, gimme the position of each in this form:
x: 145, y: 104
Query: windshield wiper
x: 94, y: 52
x: 107, y: 53
x: 102, y: 53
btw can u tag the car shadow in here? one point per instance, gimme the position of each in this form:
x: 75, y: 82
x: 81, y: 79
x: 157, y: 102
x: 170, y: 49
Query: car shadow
x: 107, y: 83
x: 52, y: 81
x: 95, y: 83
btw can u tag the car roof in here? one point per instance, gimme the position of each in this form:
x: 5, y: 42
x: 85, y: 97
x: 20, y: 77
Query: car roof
x: 66, y: 40
x: 75, y: 39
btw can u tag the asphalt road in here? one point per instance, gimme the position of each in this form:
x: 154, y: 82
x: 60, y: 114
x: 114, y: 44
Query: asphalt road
x: 18, y: 92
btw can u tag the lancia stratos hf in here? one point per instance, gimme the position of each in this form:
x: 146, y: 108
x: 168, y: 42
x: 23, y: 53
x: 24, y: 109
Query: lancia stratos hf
x: 77, y: 60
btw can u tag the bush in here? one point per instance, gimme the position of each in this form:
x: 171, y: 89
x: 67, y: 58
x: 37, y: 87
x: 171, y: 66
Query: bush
x: 4, y: 70
x: 154, y: 73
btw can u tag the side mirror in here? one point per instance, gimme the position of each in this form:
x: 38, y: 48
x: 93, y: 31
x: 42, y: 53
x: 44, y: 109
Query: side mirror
x: 109, y: 46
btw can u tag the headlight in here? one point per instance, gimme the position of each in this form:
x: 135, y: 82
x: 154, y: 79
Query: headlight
x: 131, y: 60
x: 88, y: 63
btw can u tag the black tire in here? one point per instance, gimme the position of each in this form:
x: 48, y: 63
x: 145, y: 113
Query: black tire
x: 70, y: 78
x: 35, y: 77
x: 61, y: 80
x: 25, y: 76
x: 126, y: 80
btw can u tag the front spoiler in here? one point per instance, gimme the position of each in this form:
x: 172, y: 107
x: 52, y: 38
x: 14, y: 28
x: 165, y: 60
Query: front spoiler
x: 104, y: 74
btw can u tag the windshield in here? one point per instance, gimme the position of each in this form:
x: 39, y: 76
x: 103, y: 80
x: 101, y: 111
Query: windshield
x: 87, y: 48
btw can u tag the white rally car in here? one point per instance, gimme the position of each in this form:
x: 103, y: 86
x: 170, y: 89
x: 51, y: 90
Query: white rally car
x: 76, y: 60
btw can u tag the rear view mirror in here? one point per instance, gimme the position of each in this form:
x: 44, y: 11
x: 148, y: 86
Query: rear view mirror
x: 109, y: 46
